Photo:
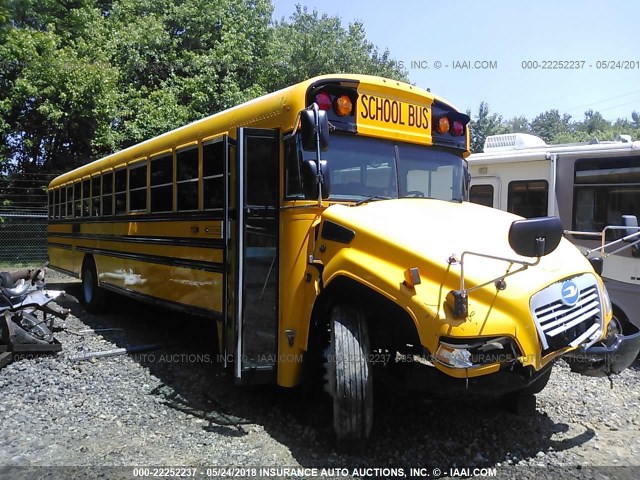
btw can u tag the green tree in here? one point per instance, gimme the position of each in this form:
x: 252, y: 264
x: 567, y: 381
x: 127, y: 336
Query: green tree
x: 594, y: 124
x: 311, y: 44
x: 518, y: 125
x: 82, y: 78
x: 55, y: 105
x: 177, y: 65
x: 550, y: 125
x: 485, y: 124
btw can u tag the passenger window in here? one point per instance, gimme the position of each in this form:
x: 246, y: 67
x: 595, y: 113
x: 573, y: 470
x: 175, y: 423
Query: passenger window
x: 162, y: 183
x: 138, y: 187
x: 96, y: 209
x: 212, y: 175
x: 77, y: 200
x: 121, y: 191
x: 86, y: 198
x: 528, y: 198
x: 187, y: 179
x: 107, y: 194
x: 69, y: 202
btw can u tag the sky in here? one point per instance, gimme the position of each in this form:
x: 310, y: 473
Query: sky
x: 507, y: 53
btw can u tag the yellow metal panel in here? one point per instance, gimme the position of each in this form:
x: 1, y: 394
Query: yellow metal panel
x: 190, y: 287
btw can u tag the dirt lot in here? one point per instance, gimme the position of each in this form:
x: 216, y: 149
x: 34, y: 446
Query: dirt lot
x: 173, y: 406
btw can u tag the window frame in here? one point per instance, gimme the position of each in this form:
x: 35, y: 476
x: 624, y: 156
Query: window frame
x: 154, y: 188
x: 197, y: 179
x: 527, y: 182
x: 208, y: 179
x: 132, y: 167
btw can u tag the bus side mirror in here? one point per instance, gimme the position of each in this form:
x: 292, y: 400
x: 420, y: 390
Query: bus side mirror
x: 308, y: 125
x: 535, y: 237
x: 597, y: 264
x: 310, y: 177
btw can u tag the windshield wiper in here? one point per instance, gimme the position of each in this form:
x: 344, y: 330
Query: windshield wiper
x: 370, y: 198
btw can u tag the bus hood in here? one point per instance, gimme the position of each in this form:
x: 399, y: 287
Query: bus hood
x: 379, y: 244
x: 396, y: 235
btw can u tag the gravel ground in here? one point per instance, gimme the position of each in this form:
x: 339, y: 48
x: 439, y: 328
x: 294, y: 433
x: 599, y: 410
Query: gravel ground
x: 174, y: 407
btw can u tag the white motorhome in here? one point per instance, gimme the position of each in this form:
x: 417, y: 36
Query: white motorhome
x: 594, y: 188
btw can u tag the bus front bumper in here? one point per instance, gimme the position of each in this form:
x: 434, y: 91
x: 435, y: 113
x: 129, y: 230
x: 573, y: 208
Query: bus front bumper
x: 603, y: 360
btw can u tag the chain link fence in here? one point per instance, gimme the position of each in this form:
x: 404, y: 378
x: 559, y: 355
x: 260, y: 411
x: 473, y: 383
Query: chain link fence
x: 23, y: 237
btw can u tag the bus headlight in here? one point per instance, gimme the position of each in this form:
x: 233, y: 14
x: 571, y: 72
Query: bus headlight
x: 454, y: 356
x: 466, y: 353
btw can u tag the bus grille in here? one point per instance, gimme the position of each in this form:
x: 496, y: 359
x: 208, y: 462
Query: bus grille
x: 561, y: 323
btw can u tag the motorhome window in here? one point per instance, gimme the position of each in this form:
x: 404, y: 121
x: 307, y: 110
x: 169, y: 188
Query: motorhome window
x: 481, y: 194
x: 528, y: 198
x: 607, y: 171
x: 605, y: 190
x: 187, y: 179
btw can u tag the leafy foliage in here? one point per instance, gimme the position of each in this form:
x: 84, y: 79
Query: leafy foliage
x: 552, y: 127
x: 82, y: 78
x: 483, y: 125
x: 311, y: 44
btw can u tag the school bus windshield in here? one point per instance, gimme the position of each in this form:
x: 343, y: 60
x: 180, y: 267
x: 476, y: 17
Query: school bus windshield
x: 363, y: 167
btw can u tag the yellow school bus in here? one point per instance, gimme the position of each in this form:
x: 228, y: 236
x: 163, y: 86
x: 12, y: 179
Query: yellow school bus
x: 325, y: 226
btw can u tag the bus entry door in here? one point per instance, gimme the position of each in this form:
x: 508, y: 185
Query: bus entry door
x: 254, y: 264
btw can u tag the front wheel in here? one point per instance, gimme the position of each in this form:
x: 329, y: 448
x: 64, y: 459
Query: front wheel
x: 350, y: 379
x: 538, y: 385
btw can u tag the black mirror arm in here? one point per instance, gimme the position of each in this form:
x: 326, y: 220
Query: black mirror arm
x: 319, y: 180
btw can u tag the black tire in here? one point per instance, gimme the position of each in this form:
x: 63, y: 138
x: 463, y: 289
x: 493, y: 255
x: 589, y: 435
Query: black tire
x: 350, y: 377
x: 538, y: 385
x: 93, y: 297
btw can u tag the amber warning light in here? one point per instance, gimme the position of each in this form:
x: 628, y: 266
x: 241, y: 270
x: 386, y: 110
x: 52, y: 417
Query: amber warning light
x: 453, y: 124
x: 342, y: 105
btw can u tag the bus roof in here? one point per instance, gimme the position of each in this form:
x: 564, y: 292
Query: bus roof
x: 284, y: 103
